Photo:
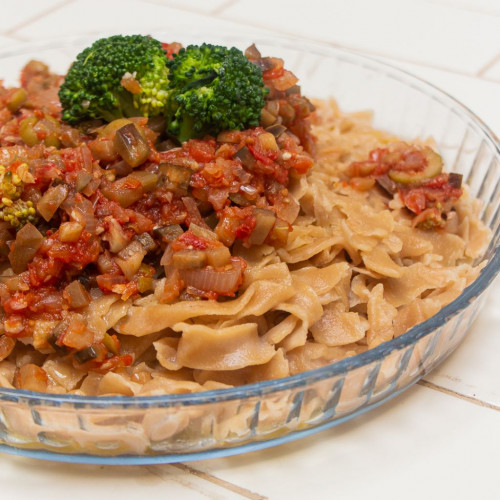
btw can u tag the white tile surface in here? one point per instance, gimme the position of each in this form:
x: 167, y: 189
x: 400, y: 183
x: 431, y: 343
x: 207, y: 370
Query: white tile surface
x: 117, y: 16
x: 7, y: 41
x: 408, y: 29
x: 423, y: 445
x: 472, y: 370
x: 17, y: 12
x: 85, y: 482
x: 205, y: 6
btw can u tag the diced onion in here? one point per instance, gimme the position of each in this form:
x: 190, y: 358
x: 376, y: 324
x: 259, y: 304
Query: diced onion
x: 288, y: 208
x: 208, y: 279
x: 83, y: 212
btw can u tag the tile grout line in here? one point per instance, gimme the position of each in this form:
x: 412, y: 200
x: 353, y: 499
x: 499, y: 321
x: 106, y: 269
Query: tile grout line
x: 220, y: 482
x: 488, y: 66
x: 39, y: 15
x: 455, y: 394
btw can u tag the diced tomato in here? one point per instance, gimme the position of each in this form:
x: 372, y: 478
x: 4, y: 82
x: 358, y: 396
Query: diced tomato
x: 273, y: 73
x: 77, y: 336
x: 415, y: 200
x: 202, y: 151
x: 301, y: 163
x: 188, y: 240
x: 44, y: 271
x: 171, y: 49
x: 244, y: 230
x: 108, y: 282
x: 266, y: 157
x: 115, y: 362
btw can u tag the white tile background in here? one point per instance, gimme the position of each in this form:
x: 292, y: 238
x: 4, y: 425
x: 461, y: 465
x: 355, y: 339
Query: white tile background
x: 441, y: 438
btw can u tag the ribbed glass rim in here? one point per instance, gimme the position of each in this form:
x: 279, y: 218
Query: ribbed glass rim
x: 259, y: 389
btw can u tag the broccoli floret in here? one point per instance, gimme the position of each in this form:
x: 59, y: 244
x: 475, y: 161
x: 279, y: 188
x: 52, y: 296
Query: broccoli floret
x: 213, y: 88
x: 116, y: 77
x: 13, y: 210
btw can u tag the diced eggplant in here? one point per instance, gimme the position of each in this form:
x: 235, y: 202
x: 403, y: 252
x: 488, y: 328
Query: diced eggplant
x: 148, y: 180
x: 166, y: 145
x: 246, y: 157
x: 279, y: 233
x: 121, y: 168
x: 28, y: 241
x: 266, y: 63
x: 293, y: 90
x: 267, y: 118
x: 175, y: 178
x: 168, y: 233
x: 276, y: 130
x: 252, y: 52
x: 265, y: 220
x: 157, y: 124
x: 218, y: 256
x: 202, y: 232
x: 77, y: 295
x: 130, y: 258
x: 6, y: 234
x: 455, y: 180
x: 387, y: 184
x: 189, y: 259
x: 82, y: 180
x: 87, y: 354
x: 131, y: 146
x: 211, y: 220
x: 147, y: 242
x: 239, y: 199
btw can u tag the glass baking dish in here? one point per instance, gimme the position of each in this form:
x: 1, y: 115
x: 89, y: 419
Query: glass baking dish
x: 172, y: 428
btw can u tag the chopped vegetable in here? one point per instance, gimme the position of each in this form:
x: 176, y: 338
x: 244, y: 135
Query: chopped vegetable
x: 77, y: 295
x: 131, y: 146
x: 28, y: 241
x: 264, y: 222
x: 223, y: 281
x: 52, y: 199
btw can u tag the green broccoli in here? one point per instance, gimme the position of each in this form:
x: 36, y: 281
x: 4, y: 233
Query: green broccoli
x: 213, y: 88
x: 13, y: 210
x: 96, y: 84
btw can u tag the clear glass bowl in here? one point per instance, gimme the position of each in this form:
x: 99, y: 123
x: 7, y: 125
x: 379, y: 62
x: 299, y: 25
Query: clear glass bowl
x: 179, y: 427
